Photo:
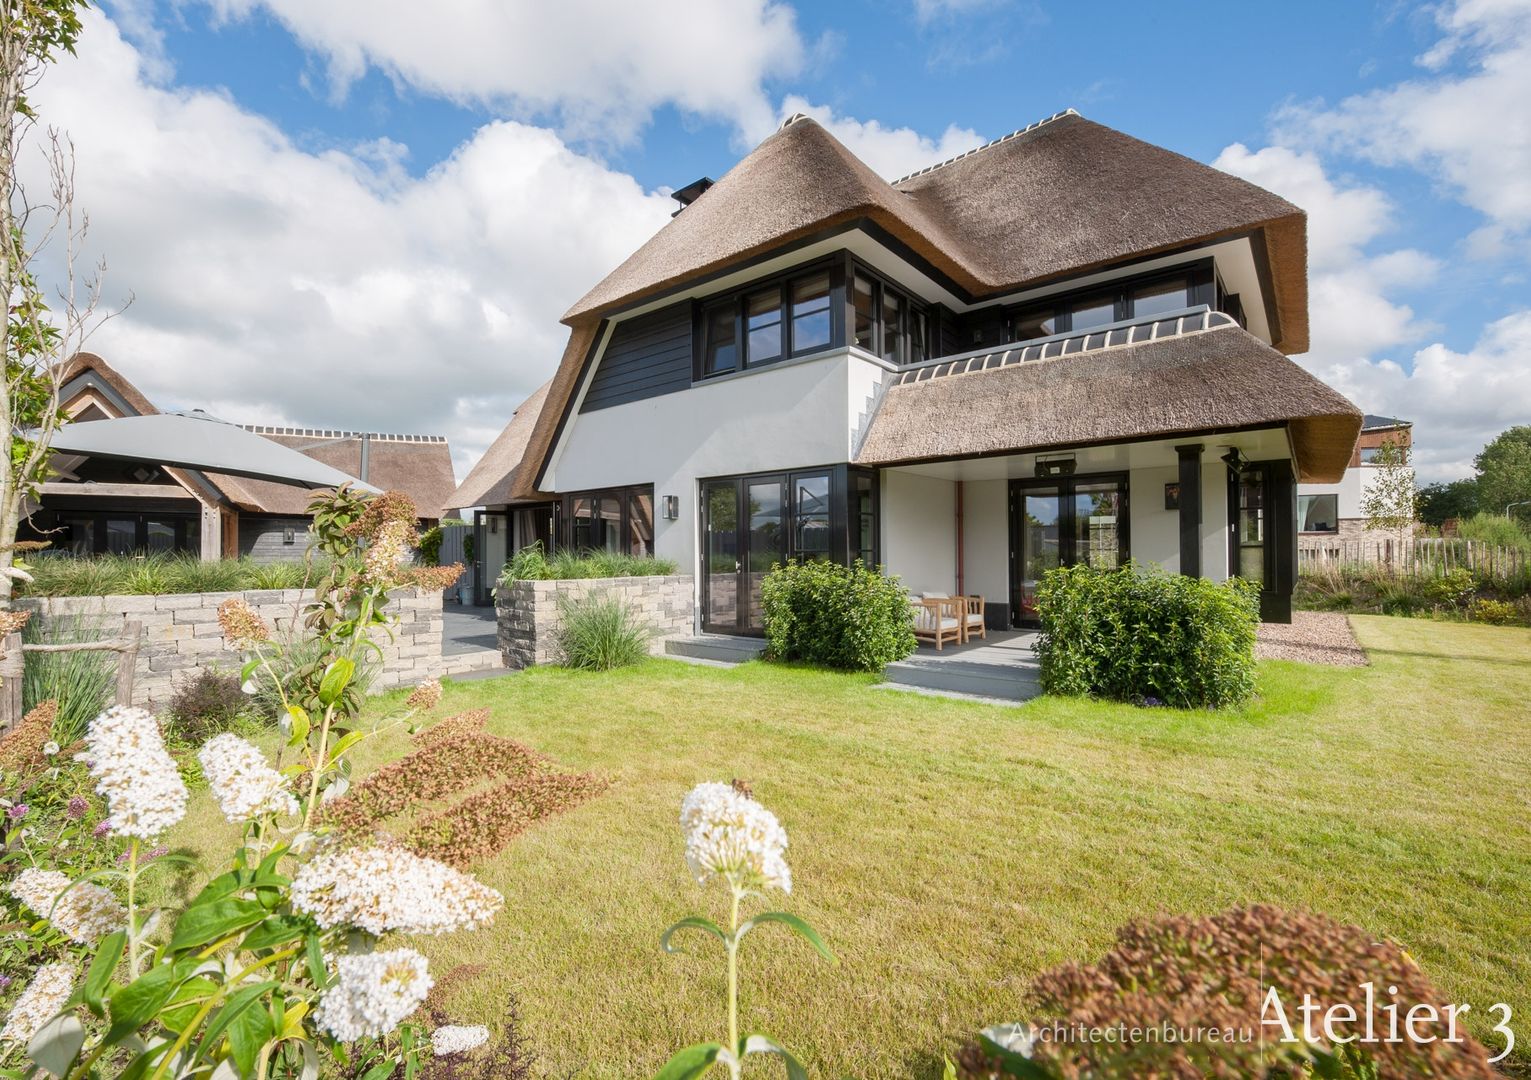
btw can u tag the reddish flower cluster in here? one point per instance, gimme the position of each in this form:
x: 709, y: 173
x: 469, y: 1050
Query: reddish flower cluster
x: 11, y: 621
x: 430, y: 578
x: 1215, y: 972
x: 389, y: 507
x: 461, y: 724
x: 21, y: 748
x: 487, y: 821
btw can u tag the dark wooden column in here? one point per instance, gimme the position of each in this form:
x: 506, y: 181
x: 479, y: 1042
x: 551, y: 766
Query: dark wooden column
x: 1190, y: 509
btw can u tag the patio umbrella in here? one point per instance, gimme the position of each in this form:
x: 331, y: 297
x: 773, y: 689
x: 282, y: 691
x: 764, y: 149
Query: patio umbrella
x: 197, y: 441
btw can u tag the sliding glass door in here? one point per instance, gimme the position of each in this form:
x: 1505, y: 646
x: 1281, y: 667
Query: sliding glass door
x: 1063, y: 522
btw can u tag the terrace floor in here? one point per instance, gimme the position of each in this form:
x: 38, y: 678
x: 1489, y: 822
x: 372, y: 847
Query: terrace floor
x: 1001, y: 667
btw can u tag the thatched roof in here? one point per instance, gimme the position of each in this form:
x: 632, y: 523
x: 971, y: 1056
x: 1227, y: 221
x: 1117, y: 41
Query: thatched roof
x: 1059, y: 198
x: 418, y: 465
x: 494, y: 479
x: 1198, y: 382
x: 87, y: 363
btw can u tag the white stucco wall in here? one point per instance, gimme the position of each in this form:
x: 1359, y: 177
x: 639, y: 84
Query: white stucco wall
x: 1155, y: 534
x: 986, y: 542
x: 919, y: 531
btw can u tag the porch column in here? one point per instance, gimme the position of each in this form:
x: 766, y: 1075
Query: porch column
x: 212, y: 533
x: 1190, y: 509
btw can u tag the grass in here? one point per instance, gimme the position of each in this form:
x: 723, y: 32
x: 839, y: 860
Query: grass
x: 950, y: 850
x: 531, y: 564
x: 157, y: 574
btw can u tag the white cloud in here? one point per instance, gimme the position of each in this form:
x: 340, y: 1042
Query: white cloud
x: 1468, y: 129
x: 599, y: 67
x: 332, y: 289
x: 891, y: 152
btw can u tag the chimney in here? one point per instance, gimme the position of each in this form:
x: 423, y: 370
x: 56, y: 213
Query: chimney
x: 691, y: 192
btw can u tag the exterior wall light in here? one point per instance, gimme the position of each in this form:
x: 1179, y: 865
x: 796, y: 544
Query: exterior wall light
x: 671, y: 505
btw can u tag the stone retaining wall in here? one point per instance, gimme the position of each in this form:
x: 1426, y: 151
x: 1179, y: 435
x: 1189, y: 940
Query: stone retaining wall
x: 181, y: 633
x: 528, y: 619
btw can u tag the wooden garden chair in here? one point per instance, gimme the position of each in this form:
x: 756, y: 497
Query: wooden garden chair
x: 937, y: 619
x: 972, y: 618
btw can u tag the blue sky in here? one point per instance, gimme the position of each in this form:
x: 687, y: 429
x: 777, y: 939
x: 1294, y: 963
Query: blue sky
x: 306, y: 197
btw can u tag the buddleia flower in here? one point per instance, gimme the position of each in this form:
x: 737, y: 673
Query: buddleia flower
x: 731, y: 836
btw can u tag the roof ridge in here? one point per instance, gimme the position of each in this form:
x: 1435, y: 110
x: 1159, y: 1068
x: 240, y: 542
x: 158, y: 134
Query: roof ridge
x: 335, y: 433
x: 992, y: 142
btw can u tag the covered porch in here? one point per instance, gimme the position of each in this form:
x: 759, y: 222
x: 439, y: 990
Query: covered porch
x: 1001, y: 667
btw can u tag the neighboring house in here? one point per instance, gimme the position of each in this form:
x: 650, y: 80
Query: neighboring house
x: 1334, y: 511
x: 1063, y: 347
x: 92, y: 506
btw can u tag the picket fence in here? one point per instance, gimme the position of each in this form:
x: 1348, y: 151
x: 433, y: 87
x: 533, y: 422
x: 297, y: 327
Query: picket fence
x: 1429, y: 556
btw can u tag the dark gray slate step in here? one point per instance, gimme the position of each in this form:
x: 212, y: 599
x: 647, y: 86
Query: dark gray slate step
x: 1019, y: 683
x: 721, y: 647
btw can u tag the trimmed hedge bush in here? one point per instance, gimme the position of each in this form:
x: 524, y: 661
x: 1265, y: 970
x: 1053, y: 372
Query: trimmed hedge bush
x: 1141, y: 635
x: 847, y: 617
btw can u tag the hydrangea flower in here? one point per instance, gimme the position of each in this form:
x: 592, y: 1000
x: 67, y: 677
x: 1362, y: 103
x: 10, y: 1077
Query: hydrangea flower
x: 242, y: 627
x: 386, y: 888
x: 133, y: 770
x: 85, y: 913
x: 38, y: 1003
x: 373, y: 994
x: 457, y: 1039
x: 244, y: 785
x: 730, y: 835
x: 425, y: 696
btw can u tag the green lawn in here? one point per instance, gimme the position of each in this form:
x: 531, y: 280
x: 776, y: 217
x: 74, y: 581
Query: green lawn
x: 950, y: 850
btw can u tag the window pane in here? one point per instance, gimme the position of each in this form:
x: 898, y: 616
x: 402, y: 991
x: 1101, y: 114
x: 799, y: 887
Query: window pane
x: 810, y: 504
x: 1252, y: 527
x: 892, y: 338
x: 722, y: 355
x: 862, y: 294
x: 1159, y: 297
x: 762, y: 313
x: 918, y: 325
x: 1318, y: 513
x: 1035, y: 324
x: 1097, y: 312
x: 609, y: 527
x: 77, y: 535
x: 160, y: 535
x: 810, y: 313
x: 583, y: 531
x: 640, y: 524
x: 121, y: 535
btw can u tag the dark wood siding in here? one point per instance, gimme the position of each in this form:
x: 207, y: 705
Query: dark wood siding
x: 264, y: 539
x: 647, y: 356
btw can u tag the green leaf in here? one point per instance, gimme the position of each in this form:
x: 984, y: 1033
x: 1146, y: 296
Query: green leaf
x: 691, y: 1062
x: 693, y: 922
x: 274, y: 930
x: 797, y: 926
x: 134, y: 1005
x: 300, y: 725
x: 764, y: 1044
x: 337, y: 675
x: 248, y: 1027
x: 380, y: 1070
x: 204, y: 923
x: 348, y: 740
x: 248, y: 670
x: 316, y: 969
x: 56, y: 1044
x: 186, y: 1002
x: 99, y: 977
x: 1011, y: 1063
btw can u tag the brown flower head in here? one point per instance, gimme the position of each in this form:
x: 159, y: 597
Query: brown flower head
x: 431, y: 578
x: 242, y: 627
x: 425, y: 696
x: 11, y: 621
x: 391, y: 507
x: 21, y: 748
x: 386, y: 552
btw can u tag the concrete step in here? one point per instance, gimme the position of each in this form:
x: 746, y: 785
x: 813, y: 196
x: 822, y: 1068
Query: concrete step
x: 721, y: 647
x: 1003, y: 682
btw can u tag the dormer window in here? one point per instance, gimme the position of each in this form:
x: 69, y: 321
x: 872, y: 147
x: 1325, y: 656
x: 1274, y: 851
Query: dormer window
x: 1132, y: 298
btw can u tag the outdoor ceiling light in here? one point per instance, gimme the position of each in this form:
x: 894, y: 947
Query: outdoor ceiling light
x: 1055, y: 466
x: 1234, y: 459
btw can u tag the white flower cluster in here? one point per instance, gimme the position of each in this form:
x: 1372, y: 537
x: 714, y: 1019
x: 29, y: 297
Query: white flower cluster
x: 457, y: 1039
x: 86, y: 913
x: 244, y: 785
x: 387, y: 888
x: 375, y: 992
x: 133, y: 770
x: 38, y: 1003
x: 733, y: 836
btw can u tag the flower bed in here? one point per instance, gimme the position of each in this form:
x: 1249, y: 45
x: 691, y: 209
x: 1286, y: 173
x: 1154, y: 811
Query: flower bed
x: 528, y: 611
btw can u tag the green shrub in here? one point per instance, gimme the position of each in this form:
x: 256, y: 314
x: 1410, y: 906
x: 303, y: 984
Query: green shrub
x: 531, y: 563
x: 1136, y: 634
x: 1494, y: 612
x: 206, y: 703
x: 1495, y: 529
x: 1452, y: 589
x: 849, y: 617
x: 600, y: 633
x: 83, y: 683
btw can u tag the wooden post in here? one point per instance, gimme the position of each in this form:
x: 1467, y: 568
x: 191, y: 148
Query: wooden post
x: 127, y: 661
x: 11, y: 668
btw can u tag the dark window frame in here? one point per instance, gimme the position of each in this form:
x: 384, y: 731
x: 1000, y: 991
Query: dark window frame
x: 911, y: 308
x: 563, y: 525
x: 735, y: 303
x: 1201, y: 288
x: 1302, y: 517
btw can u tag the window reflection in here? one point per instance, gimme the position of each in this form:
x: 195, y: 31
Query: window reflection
x: 762, y: 313
x: 810, y: 313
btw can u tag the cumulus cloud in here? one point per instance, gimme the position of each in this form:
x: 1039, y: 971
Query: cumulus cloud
x: 890, y: 151
x: 599, y: 68
x: 331, y: 289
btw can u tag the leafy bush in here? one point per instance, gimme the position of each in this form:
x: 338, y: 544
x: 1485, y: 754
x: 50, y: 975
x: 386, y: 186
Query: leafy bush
x: 206, y: 703
x: 600, y: 633
x: 293, y: 669
x: 1495, y: 529
x: 849, y: 617
x: 1132, y: 634
x: 157, y: 575
x: 1452, y: 589
x: 531, y: 563
x: 83, y: 683
x: 1495, y: 612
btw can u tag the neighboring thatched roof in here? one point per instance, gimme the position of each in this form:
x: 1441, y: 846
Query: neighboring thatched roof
x: 86, y: 363
x: 1200, y: 382
x: 496, y: 477
x: 418, y: 465
x: 1059, y: 198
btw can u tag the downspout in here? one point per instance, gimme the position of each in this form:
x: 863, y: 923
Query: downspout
x: 960, y: 590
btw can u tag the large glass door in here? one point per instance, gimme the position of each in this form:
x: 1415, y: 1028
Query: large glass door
x: 1063, y: 522
x: 721, y: 556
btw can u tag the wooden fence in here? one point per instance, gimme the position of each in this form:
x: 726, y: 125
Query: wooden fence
x: 1427, y: 556
x: 13, y: 665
